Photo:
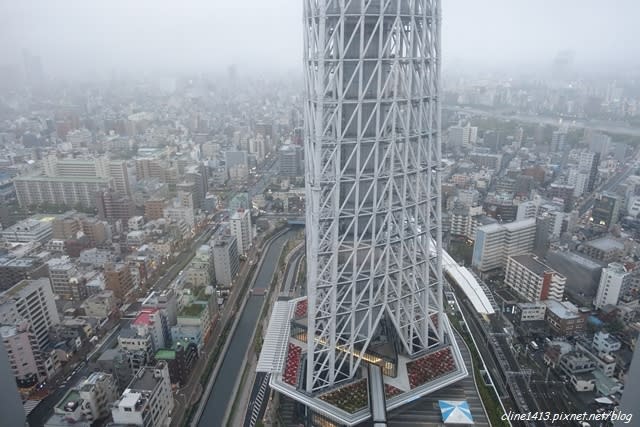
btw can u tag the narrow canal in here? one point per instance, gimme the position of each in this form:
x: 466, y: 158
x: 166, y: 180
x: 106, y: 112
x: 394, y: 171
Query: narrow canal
x: 232, y: 364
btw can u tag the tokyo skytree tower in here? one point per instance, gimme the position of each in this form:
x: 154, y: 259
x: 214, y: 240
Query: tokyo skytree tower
x: 373, y: 210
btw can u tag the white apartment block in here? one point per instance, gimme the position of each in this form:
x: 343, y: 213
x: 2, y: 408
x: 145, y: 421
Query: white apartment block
x: 32, y: 301
x: 23, y: 351
x: 494, y: 243
x: 614, y: 281
x: 240, y: 225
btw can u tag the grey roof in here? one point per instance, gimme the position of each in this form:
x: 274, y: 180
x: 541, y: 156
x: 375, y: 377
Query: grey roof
x: 605, y: 244
x: 533, y: 264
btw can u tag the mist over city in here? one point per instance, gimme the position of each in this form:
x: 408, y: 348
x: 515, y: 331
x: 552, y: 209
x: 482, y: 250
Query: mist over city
x: 83, y: 39
x: 319, y: 213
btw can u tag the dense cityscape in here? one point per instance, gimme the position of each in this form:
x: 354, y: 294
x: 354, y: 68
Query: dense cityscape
x: 311, y: 249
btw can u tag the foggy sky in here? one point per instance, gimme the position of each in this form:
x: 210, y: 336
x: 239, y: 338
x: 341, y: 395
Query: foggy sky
x: 76, y: 37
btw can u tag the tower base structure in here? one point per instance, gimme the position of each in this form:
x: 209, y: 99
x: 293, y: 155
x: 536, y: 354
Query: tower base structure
x: 387, y: 379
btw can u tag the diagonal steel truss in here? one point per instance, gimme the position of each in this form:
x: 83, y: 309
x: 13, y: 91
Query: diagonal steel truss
x: 372, y: 140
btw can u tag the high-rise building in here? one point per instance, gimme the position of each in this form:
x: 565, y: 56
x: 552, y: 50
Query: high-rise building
x: 496, y: 242
x: 225, y: 259
x: 31, y: 301
x: 34, y: 72
x: 240, y: 226
x: 149, y: 168
x: 72, y: 181
x: 118, y: 279
x: 117, y: 170
x: 629, y: 401
x: 462, y: 136
x: 66, y: 282
x: 38, y: 190
x: 14, y: 270
x: 197, y: 175
x: 13, y: 413
x: 558, y: 141
x: 606, y: 210
x: 373, y: 317
x: 614, y: 282
x: 66, y: 226
x: 24, y: 354
x: 114, y: 207
x: 154, y: 209
x: 290, y: 158
x: 598, y: 143
x: 588, y: 163
x: 533, y: 280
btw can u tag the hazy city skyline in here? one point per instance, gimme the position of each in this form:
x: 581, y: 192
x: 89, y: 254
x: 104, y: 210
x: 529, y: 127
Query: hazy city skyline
x: 76, y: 38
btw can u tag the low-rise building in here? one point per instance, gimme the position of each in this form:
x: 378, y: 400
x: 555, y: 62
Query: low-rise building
x: 88, y: 401
x: 530, y: 311
x: 196, y: 315
x: 100, y: 305
x: 564, y: 318
x: 578, y: 367
x: 33, y: 229
x: 95, y: 257
x: 605, y: 343
x: 605, y: 249
x: 147, y: 401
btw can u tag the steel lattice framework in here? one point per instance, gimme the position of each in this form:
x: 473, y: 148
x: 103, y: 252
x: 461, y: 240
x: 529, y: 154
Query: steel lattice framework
x: 372, y: 140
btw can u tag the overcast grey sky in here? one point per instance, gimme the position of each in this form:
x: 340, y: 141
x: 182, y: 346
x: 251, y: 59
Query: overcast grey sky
x: 76, y: 36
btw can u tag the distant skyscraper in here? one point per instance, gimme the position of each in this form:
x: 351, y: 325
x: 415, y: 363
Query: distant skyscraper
x: 373, y: 218
x: 33, y: 69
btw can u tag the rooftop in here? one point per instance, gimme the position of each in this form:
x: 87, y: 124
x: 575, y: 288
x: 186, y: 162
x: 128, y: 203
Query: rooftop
x: 605, y: 244
x: 517, y: 225
x: 192, y: 310
x: 165, y: 354
x: 72, y: 396
x: 22, y: 289
x: 18, y: 262
x: 145, y: 379
x: 7, y: 331
x: 144, y: 318
x: 130, y: 399
x: 42, y: 178
x: 564, y: 310
x: 533, y: 264
x: 578, y: 259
